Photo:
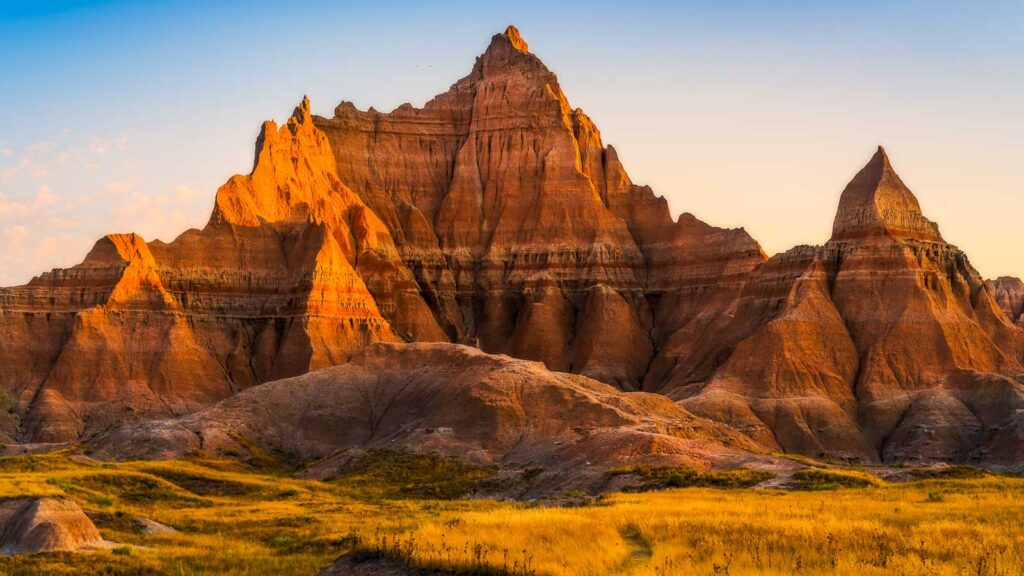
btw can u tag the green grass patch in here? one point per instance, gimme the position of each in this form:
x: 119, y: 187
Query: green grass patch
x: 382, y: 474
x: 831, y: 479
x: 957, y: 472
x: 662, y: 477
x: 135, y: 489
x: 203, y: 485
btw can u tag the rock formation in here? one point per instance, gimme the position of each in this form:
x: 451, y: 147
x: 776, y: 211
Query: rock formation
x: 48, y: 524
x: 448, y: 399
x: 495, y: 216
x: 1009, y: 294
x: 523, y: 230
x: 883, y: 344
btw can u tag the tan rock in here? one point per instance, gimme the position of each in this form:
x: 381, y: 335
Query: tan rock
x: 448, y: 399
x: 46, y: 524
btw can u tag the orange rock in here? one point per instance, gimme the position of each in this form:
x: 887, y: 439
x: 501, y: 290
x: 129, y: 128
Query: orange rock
x: 884, y: 344
x: 496, y: 216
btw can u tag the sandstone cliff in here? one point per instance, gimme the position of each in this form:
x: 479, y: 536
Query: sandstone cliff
x: 495, y: 216
x: 883, y: 344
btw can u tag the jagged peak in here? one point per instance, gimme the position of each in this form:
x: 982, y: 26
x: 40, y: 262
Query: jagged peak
x: 876, y: 203
x: 507, y: 50
x: 515, y: 38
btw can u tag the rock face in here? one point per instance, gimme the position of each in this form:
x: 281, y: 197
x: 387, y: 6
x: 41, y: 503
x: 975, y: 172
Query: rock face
x: 495, y: 216
x: 883, y: 344
x: 523, y: 230
x: 448, y: 399
x: 31, y: 525
x: 271, y: 287
x: 1008, y: 292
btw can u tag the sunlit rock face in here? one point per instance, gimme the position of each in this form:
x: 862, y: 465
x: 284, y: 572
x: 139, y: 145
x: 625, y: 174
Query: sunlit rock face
x: 495, y: 216
x: 525, y: 233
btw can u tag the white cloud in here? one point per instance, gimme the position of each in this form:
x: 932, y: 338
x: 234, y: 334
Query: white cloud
x: 57, y: 198
x: 98, y: 146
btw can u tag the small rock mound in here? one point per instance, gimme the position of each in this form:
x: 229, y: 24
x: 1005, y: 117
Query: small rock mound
x: 47, y: 524
x: 150, y: 527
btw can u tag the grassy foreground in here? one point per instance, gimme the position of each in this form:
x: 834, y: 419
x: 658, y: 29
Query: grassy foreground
x: 234, y: 520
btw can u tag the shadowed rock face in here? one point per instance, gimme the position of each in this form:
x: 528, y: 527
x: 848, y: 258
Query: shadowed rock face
x: 449, y: 399
x: 882, y: 344
x: 31, y: 525
x: 1009, y: 295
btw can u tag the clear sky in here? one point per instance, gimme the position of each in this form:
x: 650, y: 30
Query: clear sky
x: 118, y: 116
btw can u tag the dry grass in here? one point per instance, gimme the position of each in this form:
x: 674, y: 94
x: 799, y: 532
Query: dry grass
x: 234, y: 520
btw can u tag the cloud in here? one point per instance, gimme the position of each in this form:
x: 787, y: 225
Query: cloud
x: 98, y: 146
x: 58, y: 197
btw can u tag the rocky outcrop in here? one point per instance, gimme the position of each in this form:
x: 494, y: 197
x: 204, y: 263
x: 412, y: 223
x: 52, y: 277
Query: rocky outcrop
x: 448, y: 399
x: 883, y: 344
x: 494, y: 216
x: 1008, y: 292
x: 523, y: 229
x: 273, y: 286
x: 47, y: 524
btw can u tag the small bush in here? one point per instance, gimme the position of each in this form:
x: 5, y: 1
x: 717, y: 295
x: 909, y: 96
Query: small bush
x: 122, y: 551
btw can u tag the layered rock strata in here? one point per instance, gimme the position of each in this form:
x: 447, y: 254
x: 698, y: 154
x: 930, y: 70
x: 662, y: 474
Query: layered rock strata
x: 883, y: 344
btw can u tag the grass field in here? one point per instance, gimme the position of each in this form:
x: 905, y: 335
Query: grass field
x: 236, y: 520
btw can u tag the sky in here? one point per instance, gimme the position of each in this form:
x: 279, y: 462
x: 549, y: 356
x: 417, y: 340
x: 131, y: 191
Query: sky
x: 127, y: 116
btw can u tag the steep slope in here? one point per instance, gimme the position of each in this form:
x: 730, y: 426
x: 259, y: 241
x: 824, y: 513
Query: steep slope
x: 448, y: 399
x: 524, y: 231
x: 494, y: 216
x: 271, y: 287
x: 882, y: 344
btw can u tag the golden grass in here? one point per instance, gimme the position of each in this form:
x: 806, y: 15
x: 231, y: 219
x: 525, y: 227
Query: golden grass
x: 237, y: 521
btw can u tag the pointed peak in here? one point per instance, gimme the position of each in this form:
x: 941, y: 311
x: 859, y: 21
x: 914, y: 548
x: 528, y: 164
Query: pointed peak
x: 516, y: 39
x: 301, y: 115
x: 508, y: 51
x: 876, y: 203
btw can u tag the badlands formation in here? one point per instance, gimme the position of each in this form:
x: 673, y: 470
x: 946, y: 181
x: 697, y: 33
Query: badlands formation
x: 495, y: 218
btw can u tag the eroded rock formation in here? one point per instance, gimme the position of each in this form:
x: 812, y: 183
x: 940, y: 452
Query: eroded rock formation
x: 495, y: 216
x: 46, y: 524
x: 882, y: 344
x: 447, y: 399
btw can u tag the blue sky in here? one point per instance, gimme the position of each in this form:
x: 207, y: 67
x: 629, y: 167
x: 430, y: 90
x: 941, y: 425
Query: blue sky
x: 118, y: 116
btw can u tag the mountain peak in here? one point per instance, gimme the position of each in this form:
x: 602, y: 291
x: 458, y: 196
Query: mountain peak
x: 876, y: 203
x: 515, y: 38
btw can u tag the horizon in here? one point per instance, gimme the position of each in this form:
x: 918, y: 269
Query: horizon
x: 762, y: 152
